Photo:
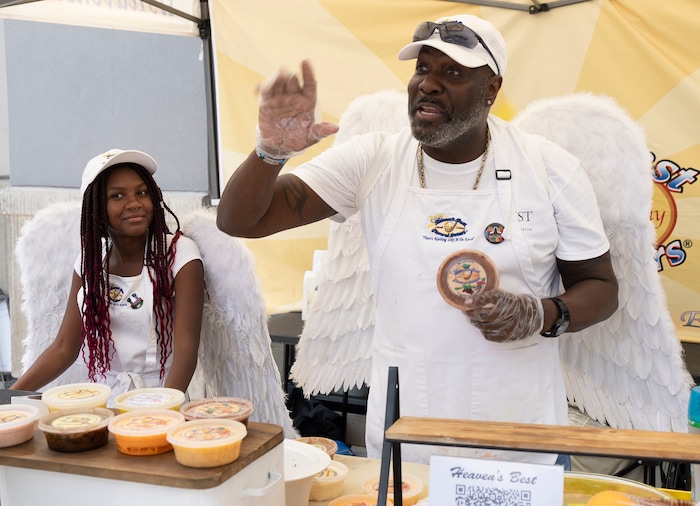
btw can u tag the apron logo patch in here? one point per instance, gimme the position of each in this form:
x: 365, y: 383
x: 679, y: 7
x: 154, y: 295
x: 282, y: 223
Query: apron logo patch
x: 115, y: 293
x: 447, y: 226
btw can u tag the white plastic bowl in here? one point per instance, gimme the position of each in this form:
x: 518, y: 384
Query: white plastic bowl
x: 302, y: 462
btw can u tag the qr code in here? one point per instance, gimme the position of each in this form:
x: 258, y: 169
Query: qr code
x: 487, y: 496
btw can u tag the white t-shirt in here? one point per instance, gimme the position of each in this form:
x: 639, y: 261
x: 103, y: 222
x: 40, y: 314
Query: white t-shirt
x: 131, y: 317
x: 568, y: 227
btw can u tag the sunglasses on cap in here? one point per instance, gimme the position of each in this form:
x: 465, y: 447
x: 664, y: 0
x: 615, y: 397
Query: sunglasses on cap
x: 453, y: 32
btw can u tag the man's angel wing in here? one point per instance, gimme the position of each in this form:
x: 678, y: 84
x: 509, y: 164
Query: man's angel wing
x: 335, y: 347
x: 235, y: 355
x: 627, y: 371
x: 46, y: 250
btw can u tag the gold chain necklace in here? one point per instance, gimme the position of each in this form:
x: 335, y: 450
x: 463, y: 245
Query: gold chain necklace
x: 421, y: 169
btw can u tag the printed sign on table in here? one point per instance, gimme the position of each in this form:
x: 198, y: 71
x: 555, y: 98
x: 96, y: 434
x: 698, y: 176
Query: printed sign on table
x: 466, y: 482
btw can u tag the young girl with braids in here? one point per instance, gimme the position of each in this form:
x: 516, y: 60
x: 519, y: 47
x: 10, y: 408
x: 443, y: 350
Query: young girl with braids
x: 135, y: 307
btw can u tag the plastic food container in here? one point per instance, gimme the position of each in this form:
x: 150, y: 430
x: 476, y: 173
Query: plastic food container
x: 143, y: 432
x: 322, y: 443
x: 328, y: 484
x: 357, y: 500
x: 77, y: 395
x: 17, y: 424
x: 76, y: 429
x: 207, y: 443
x: 411, y: 489
x: 301, y: 463
x: 231, y: 408
x: 149, y: 398
x: 580, y: 488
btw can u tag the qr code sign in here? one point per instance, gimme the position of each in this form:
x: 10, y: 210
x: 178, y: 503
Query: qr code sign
x: 488, y: 496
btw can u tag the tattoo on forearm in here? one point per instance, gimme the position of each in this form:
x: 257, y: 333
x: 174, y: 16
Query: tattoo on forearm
x: 295, y: 195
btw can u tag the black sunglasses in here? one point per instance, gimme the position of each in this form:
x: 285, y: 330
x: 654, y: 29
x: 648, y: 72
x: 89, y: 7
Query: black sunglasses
x: 453, y: 32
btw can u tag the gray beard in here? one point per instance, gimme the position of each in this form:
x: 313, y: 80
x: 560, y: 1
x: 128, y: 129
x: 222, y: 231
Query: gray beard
x: 451, y: 130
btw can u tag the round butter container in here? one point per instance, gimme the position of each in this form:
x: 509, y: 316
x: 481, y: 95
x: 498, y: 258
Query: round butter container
x: 76, y: 429
x: 77, y: 395
x: 357, y: 500
x: 411, y: 489
x: 207, y: 443
x: 143, y: 432
x: 322, y: 443
x: 231, y: 408
x: 328, y: 484
x: 149, y: 398
x: 17, y: 424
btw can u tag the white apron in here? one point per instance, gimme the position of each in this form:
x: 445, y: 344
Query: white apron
x: 446, y: 367
x: 135, y: 362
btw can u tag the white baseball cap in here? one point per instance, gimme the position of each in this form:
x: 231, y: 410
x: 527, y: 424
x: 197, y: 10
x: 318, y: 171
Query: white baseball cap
x: 490, y: 50
x: 112, y: 157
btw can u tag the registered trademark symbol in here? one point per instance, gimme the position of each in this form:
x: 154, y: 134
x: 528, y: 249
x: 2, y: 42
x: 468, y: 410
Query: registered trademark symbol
x: 687, y: 243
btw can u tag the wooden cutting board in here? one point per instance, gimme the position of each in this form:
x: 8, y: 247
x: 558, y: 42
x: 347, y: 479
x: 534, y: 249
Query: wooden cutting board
x: 163, y: 469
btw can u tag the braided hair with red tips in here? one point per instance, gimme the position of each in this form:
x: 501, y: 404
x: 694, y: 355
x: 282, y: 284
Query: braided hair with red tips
x: 94, y: 239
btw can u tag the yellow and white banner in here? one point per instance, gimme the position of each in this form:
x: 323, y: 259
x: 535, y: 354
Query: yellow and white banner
x: 643, y: 53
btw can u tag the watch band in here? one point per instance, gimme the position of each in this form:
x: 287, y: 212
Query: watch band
x: 562, y: 323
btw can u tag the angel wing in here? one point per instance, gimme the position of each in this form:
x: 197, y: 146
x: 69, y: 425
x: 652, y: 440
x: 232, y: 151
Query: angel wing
x: 46, y: 250
x: 334, y: 350
x: 627, y: 371
x: 235, y: 355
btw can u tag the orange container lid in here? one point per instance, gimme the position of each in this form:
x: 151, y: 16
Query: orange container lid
x: 145, y: 422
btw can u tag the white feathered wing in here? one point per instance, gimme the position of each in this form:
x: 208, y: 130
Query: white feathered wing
x: 334, y: 350
x: 235, y: 354
x: 46, y: 250
x: 627, y: 371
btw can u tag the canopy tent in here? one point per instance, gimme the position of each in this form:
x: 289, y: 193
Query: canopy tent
x: 174, y: 17
x: 641, y: 52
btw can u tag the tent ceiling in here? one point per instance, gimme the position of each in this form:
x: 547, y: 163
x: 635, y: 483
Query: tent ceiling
x: 531, y: 6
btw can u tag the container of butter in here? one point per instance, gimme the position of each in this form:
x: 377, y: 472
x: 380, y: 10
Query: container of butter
x: 76, y: 429
x: 77, y: 395
x: 411, y: 489
x: 328, y: 484
x: 17, y: 424
x: 149, y: 398
x: 143, y: 432
x: 207, y: 443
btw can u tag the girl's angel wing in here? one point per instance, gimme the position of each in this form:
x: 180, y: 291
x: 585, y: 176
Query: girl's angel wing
x: 627, y: 371
x: 235, y: 355
x: 334, y: 351
x: 46, y: 250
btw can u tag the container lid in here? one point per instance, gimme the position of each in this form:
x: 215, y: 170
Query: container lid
x: 334, y: 472
x: 16, y: 415
x: 463, y: 274
x: 75, y: 420
x: 322, y: 443
x: 356, y: 500
x: 411, y: 486
x: 302, y: 461
x: 218, y: 407
x: 206, y: 433
x: 145, y: 422
x: 149, y: 398
x: 76, y: 394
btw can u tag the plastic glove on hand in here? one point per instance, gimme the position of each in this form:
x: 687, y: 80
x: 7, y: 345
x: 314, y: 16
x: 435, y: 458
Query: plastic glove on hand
x: 504, y: 317
x: 286, y: 116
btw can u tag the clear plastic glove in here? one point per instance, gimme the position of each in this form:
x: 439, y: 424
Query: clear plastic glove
x: 504, y: 317
x: 286, y: 116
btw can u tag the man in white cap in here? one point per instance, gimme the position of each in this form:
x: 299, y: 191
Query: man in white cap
x: 458, y: 179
